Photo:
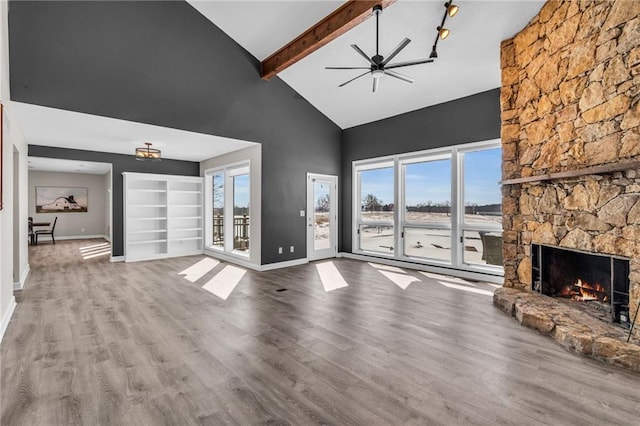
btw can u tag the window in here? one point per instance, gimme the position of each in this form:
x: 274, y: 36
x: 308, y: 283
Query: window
x: 482, y: 200
x: 446, y: 204
x: 376, y: 211
x: 427, y: 209
x: 217, y: 180
x: 228, y: 211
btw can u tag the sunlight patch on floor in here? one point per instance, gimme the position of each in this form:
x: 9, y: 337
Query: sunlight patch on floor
x: 451, y: 283
x: 401, y: 280
x: 198, y: 270
x: 330, y: 276
x: 95, y: 250
x: 223, y: 283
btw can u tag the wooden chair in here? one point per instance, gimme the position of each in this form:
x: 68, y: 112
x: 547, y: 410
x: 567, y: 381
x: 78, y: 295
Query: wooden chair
x: 47, y: 231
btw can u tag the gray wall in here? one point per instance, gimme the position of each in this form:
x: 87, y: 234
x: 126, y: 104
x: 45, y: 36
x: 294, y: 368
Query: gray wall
x: 92, y: 222
x: 163, y: 63
x: 470, y: 119
x: 120, y: 163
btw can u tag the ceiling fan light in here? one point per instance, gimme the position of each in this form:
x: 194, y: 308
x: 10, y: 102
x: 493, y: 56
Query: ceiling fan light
x: 377, y: 73
x: 443, y: 32
x: 452, y: 9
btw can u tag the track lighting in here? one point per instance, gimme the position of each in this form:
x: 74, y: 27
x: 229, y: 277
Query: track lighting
x: 451, y: 10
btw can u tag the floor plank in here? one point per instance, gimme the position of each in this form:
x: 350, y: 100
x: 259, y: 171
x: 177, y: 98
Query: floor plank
x: 94, y: 342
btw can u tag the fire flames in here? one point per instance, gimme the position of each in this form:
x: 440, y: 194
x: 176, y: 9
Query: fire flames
x: 582, y: 291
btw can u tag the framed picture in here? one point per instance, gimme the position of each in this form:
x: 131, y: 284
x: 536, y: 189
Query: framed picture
x: 61, y: 199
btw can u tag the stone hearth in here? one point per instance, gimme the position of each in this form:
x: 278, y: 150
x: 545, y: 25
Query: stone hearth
x: 570, y: 110
x: 576, y: 331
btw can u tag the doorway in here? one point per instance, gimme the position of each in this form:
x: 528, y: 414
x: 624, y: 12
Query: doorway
x: 322, y: 216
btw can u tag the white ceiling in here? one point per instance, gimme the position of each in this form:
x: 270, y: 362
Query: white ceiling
x: 70, y: 166
x: 67, y: 129
x: 468, y: 63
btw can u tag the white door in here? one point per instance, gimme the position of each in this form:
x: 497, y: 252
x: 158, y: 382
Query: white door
x: 322, y: 216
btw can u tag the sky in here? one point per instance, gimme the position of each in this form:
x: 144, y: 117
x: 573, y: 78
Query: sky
x: 431, y: 181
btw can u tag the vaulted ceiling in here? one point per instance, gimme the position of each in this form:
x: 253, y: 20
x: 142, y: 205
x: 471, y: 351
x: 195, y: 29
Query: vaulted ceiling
x: 85, y: 81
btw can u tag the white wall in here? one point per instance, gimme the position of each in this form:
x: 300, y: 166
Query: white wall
x: 13, y: 219
x: 73, y: 225
x: 254, y: 155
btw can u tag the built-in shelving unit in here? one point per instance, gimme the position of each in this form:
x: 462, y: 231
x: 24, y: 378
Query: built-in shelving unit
x: 163, y: 215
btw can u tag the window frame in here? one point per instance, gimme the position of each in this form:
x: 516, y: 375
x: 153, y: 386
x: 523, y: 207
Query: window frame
x: 457, y: 223
x: 229, y: 171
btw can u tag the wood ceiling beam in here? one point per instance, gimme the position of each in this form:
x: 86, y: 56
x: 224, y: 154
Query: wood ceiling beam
x: 341, y: 20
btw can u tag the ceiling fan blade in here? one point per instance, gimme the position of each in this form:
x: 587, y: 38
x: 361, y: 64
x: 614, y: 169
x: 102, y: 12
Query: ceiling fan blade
x: 347, y: 68
x: 408, y: 63
x: 397, y: 50
x: 354, y: 78
x: 375, y: 84
x: 364, y: 55
x: 399, y: 76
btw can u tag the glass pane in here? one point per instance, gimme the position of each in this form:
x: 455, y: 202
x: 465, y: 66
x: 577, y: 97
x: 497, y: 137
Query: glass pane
x: 428, y: 191
x: 241, y: 212
x: 321, y: 227
x: 377, y: 238
x: 428, y: 243
x: 484, y: 248
x: 218, y: 209
x: 376, y: 194
x: 482, y: 195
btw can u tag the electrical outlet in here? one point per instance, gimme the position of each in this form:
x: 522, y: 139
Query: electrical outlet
x: 301, y: 213
x: 279, y: 250
x: 291, y: 249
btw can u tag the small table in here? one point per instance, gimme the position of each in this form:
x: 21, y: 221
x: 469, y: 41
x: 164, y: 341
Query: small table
x: 33, y: 234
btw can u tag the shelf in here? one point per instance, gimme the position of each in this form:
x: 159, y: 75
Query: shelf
x: 184, y: 191
x: 146, y: 190
x: 146, y: 242
x: 191, y: 206
x: 186, y: 217
x: 185, y: 229
x: 151, y: 231
x: 593, y: 170
x: 148, y: 218
x: 185, y: 239
x: 149, y: 205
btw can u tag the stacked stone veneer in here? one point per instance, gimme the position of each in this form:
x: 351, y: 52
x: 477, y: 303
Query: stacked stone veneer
x: 570, y: 99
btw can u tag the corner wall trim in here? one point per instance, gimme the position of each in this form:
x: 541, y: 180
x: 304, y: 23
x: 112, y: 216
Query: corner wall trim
x: 478, y: 276
x: 7, y: 317
x: 75, y: 237
x: 231, y: 259
x: 19, y: 285
x: 115, y: 259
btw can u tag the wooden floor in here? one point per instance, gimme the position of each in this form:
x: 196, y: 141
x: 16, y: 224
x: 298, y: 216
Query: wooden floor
x: 94, y: 342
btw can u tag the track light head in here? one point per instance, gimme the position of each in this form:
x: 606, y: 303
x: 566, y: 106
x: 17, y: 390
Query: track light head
x: 452, y: 9
x: 434, y: 53
x: 443, y: 32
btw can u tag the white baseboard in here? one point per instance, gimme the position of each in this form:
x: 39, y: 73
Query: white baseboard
x: 285, y: 264
x: 478, y: 276
x: 7, y: 317
x: 71, y: 237
x: 117, y: 259
x: 23, y: 278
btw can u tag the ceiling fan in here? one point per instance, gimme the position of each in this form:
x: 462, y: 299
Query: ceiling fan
x: 379, y: 65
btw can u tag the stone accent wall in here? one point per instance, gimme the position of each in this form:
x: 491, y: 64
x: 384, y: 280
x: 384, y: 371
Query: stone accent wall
x: 570, y: 99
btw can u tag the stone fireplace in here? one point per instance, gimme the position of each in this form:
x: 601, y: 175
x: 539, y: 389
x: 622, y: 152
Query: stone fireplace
x: 570, y: 110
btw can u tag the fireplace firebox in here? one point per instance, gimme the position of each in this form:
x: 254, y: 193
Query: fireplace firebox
x: 598, y: 284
